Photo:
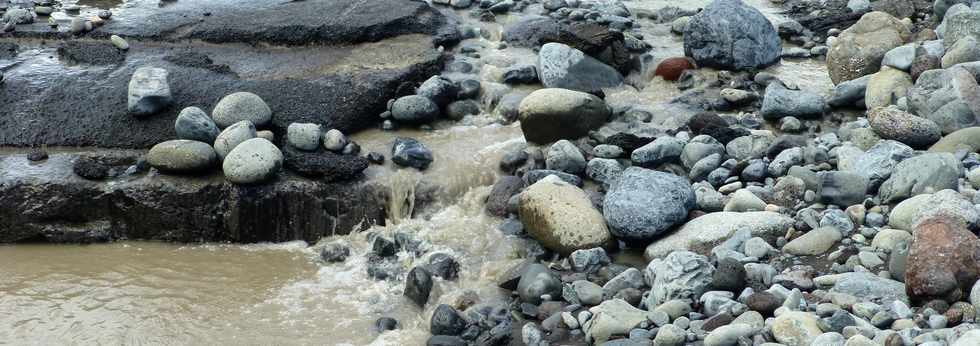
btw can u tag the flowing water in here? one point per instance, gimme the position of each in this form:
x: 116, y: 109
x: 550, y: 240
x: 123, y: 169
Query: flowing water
x: 215, y: 294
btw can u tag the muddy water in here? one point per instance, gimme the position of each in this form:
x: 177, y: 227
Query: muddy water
x: 216, y: 294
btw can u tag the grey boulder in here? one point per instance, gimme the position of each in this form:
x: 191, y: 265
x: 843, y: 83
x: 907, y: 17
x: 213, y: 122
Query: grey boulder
x: 241, y: 106
x: 253, y: 161
x: 182, y: 156
x: 926, y: 173
x: 194, y: 124
x: 548, y: 115
x: 414, y: 109
x: 643, y: 204
x: 781, y: 102
x: 731, y: 35
x: 149, y: 91
x: 232, y: 136
x: 561, y: 66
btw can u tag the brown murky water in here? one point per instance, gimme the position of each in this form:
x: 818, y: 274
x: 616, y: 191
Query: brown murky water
x: 220, y: 294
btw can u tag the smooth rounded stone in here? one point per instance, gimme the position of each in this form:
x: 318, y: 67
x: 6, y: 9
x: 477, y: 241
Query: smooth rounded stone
x: 536, y: 281
x: 850, y: 93
x: 969, y: 338
x: 194, y: 124
x: 896, y: 124
x: 500, y: 194
x: 241, y: 106
x: 859, y: 50
x: 786, y: 159
x: 753, y: 146
x: 548, y: 115
x: 612, y: 317
x: 182, y: 156
x: 909, y: 212
x: 870, y: 260
x: 303, y: 136
x: 671, y: 69
x: 253, y: 161
x: 949, y: 277
x: 729, y: 335
x: 830, y: 339
x: 661, y: 150
x: 334, y: 140
x: 384, y: 324
x: 446, y: 321
x: 758, y: 248
x: 700, y: 170
x: 414, y: 109
x: 814, y: 242
x: 960, y: 25
x: 859, y: 6
x: 885, y: 88
x: 680, y: 275
x: 418, y: 286
x: 232, y: 136
x: 562, y: 217
x: 795, y: 328
x: 709, y: 230
x: 965, y: 139
x: 731, y: 35
x: 603, y: 171
x: 439, y: 89
x: 780, y: 102
x: 588, y: 293
x: 964, y: 50
x: 149, y: 91
x: 563, y: 156
x: 679, y: 25
x: 119, y: 42
x: 743, y: 200
x: 670, y: 335
x: 730, y: 275
x: 878, y: 163
x: 699, y: 148
x: 460, y: 109
x: 973, y: 176
x: 900, y: 57
x: 521, y: 74
x: 926, y: 173
x: 949, y: 97
x: 565, y: 67
x: 643, y: 204
x: 266, y: 134
x: 790, y: 124
x: 842, y: 188
x: 888, y: 239
x: 409, y: 152
x: 865, y: 286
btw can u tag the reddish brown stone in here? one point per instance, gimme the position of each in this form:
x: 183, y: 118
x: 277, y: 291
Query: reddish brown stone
x: 944, y: 260
x: 671, y: 68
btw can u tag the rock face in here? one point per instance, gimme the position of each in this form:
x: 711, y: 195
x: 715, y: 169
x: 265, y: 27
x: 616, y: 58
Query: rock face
x: 731, y: 35
x: 565, y: 67
x: 949, y: 97
x: 551, y: 114
x: 253, y: 161
x: 324, y: 165
x: 926, y: 173
x: 704, y: 233
x: 149, y: 91
x: 896, y: 124
x: 194, y: 124
x: 859, y: 50
x: 680, y: 275
x: 643, y: 204
x: 562, y: 217
x: 182, y: 156
x: 949, y: 276
x: 241, y: 106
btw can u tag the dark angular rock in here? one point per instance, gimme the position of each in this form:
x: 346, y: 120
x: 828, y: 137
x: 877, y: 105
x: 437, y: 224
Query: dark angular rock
x: 325, y: 165
x: 409, y: 152
x: 383, y: 247
x: 501, y: 193
x: 446, y: 321
x: 444, y: 266
x: 335, y: 252
x: 384, y: 324
x: 418, y: 285
x: 729, y: 34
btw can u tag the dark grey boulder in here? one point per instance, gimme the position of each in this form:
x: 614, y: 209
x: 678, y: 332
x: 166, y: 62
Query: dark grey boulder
x: 842, y: 188
x: 194, y: 124
x: 439, y: 89
x: 418, y: 285
x: 731, y: 35
x: 415, y: 109
x: 643, y: 204
x: 182, y: 156
x: 536, y: 281
x: 409, y: 152
x: 446, y: 321
x: 561, y: 66
x: 781, y: 102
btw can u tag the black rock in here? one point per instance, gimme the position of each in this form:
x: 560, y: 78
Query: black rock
x: 444, y: 266
x: 385, y: 324
x: 382, y: 268
x: 756, y: 171
x: 468, y: 88
x: 408, y: 243
x: 730, y: 275
x: 446, y: 321
x: 445, y: 340
x: 715, y: 126
x: 785, y: 142
x: 501, y: 193
x: 409, y: 152
x: 537, y: 281
x: 513, y: 160
x: 99, y: 167
x: 375, y: 158
x: 839, y: 320
x: 383, y: 247
x: 521, y: 74
x: 323, y: 164
x: 439, y: 89
x: 499, y: 335
x: 334, y: 253
x: 418, y: 285
x: 37, y: 154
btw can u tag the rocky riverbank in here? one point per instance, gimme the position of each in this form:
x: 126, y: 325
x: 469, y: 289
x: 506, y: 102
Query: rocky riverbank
x: 769, y: 208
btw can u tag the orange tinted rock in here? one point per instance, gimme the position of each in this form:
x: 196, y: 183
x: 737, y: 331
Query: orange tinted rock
x: 944, y: 260
x: 671, y: 68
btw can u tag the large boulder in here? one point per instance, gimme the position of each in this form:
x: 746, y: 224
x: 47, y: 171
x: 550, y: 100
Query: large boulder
x: 926, y: 173
x: 561, y: 66
x: 253, y: 161
x: 731, y: 35
x: 886, y: 86
x: 182, y: 156
x: 551, y: 114
x: 561, y: 216
x: 194, y: 124
x: 414, y: 109
x: 877, y: 163
x: 241, y: 106
x: 704, y: 233
x: 859, y: 50
x: 964, y: 139
x: 893, y: 123
x: 149, y: 91
x: 960, y: 25
x: 950, y: 98
x: 949, y: 203
x: 781, y: 102
x: 949, y: 276
x: 643, y: 204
